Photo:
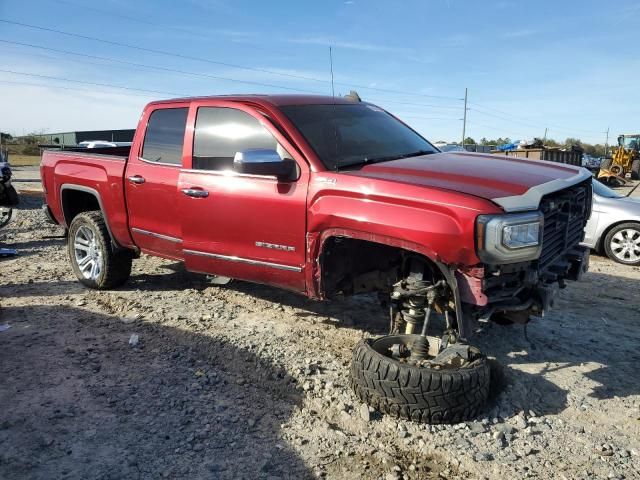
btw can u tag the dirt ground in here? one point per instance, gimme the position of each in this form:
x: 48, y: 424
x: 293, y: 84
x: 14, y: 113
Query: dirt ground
x: 247, y: 381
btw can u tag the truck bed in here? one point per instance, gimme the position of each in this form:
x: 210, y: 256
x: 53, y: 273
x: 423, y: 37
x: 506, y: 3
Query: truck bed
x: 96, y: 170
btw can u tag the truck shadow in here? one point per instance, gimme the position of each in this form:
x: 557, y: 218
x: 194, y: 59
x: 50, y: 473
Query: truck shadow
x: 80, y: 402
x: 580, y: 341
x: 362, y: 311
x: 583, y: 347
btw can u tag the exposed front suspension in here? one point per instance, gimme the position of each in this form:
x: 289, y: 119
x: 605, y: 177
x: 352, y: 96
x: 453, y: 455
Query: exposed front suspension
x: 413, y: 302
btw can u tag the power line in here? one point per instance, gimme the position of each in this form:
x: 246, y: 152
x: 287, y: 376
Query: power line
x: 413, y: 104
x: 428, y: 118
x: 62, y: 79
x: 557, y: 127
x: 216, y: 62
x: 510, y: 134
x: 159, y: 52
x: 61, y: 87
x: 203, y: 75
x: 154, y: 67
x: 528, y: 124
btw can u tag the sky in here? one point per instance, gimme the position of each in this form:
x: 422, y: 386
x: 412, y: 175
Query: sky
x: 568, y: 66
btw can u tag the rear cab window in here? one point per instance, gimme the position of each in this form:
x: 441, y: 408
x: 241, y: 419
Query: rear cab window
x: 164, y: 137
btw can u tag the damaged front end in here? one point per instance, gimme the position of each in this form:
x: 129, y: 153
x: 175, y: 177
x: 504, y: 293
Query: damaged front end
x: 527, y: 257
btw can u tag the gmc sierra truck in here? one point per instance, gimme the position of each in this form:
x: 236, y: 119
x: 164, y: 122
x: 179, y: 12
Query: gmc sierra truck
x: 328, y: 197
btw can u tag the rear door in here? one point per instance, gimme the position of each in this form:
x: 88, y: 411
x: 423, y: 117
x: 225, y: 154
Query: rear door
x: 151, y: 181
x: 250, y: 227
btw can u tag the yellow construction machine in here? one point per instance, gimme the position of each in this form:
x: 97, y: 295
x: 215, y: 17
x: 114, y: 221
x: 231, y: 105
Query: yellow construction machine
x: 625, y: 160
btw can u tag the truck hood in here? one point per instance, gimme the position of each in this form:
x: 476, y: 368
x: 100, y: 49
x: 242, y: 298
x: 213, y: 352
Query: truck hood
x: 516, y: 184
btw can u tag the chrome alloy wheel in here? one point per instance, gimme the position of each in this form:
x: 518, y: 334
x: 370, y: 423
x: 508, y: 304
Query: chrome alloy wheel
x: 625, y: 245
x: 88, y: 253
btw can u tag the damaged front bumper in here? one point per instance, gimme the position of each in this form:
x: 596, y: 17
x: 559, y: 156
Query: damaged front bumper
x: 516, y: 290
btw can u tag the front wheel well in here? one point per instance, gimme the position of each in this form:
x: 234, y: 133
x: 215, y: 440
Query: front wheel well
x: 349, y: 266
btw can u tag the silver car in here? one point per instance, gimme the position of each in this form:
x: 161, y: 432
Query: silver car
x: 614, y: 226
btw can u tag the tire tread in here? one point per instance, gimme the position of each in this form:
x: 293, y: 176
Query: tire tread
x: 418, y: 393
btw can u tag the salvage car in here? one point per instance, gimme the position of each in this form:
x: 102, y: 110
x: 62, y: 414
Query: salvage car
x: 330, y: 197
x: 614, y: 226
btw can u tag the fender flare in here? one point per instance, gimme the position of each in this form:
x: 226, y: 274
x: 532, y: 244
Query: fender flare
x: 316, y: 244
x: 91, y: 191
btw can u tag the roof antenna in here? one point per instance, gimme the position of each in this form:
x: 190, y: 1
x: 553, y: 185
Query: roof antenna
x: 335, y: 116
x: 333, y: 92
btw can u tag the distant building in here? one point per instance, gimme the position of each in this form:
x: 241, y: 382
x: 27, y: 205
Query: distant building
x: 74, y: 138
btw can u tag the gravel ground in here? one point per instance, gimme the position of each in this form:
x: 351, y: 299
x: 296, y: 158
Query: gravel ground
x: 247, y: 381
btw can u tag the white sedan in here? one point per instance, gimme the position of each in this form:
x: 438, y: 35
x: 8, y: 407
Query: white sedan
x: 614, y: 226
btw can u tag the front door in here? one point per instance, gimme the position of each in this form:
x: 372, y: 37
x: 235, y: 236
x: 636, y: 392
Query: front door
x: 243, y: 226
x: 151, y: 183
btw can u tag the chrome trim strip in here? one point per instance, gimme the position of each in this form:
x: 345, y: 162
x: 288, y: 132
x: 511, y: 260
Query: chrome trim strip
x: 228, y: 173
x: 530, y: 200
x: 151, y: 162
x: 248, y: 261
x: 156, y: 235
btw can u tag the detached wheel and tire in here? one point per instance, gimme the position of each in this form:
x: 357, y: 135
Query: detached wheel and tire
x: 622, y: 244
x: 94, y: 261
x: 446, y: 389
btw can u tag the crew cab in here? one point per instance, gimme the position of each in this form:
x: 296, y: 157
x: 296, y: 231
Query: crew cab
x: 326, y: 196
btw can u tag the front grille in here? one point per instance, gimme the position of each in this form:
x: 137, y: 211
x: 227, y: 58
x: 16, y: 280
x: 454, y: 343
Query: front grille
x: 565, y: 215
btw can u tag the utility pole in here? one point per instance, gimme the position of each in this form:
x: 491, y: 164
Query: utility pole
x: 544, y: 140
x: 606, y: 145
x: 464, y: 120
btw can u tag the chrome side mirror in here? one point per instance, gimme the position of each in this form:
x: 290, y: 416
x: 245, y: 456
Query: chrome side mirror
x: 264, y: 161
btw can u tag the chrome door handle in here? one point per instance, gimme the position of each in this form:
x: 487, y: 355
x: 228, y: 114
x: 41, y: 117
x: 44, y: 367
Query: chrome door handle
x: 137, y: 179
x: 195, y: 192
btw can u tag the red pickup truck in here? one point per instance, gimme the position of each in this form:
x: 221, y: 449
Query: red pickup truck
x: 334, y: 196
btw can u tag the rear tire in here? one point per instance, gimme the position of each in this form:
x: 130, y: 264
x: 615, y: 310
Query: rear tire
x: 635, y: 169
x: 622, y: 244
x: 93, y: 259
x: 421, y: 394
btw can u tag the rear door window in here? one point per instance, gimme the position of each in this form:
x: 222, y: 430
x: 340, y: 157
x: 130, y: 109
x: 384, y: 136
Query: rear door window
x: 221, y: 132
x: 164, y: 138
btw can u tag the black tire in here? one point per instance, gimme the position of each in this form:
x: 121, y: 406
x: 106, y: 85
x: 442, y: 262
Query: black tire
x: 609, y: 250
x: 416, y: 393
x: 115, y: 266
x: 635, y: 169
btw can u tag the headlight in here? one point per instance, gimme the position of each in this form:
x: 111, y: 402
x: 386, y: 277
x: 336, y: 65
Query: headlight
x: 509, y: 238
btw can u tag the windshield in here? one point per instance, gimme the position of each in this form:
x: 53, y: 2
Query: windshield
x: 604, y: 191
x: 344, y: 135
x: 632, y: 142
